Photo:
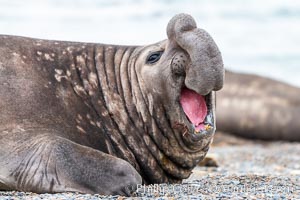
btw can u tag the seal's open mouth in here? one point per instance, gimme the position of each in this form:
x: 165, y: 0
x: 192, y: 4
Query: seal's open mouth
x: 198, y: 109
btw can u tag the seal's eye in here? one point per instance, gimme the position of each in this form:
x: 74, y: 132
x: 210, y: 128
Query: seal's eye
x: 154, y: 57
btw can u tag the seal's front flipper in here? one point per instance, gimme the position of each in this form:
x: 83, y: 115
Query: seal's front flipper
x: 54, y: 164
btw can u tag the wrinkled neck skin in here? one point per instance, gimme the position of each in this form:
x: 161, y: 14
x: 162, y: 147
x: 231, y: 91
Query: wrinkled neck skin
x: 138, y: 108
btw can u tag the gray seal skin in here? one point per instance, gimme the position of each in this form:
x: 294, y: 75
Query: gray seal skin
x: 94, y: 118
x: 257, y: 107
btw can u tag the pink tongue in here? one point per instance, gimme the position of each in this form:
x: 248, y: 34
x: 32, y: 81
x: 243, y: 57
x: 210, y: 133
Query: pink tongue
x: 194, y: 107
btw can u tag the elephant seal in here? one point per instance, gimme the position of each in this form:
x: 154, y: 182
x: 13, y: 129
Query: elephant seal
x: 257, y: 107
x: 94, y: 118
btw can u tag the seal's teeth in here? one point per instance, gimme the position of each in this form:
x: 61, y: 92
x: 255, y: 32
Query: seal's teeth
x: 207, y: 127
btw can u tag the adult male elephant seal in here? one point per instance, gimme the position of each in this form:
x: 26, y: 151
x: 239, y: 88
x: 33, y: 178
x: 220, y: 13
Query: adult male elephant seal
x: 96, y: 118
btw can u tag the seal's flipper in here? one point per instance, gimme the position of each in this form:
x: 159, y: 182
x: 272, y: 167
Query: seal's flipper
x: 50, y: 164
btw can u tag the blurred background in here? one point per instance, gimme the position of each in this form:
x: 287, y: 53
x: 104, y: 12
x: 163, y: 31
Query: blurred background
x: 254, y: 36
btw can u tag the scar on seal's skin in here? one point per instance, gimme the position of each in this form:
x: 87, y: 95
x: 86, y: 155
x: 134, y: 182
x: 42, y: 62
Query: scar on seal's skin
x: 181, y: 127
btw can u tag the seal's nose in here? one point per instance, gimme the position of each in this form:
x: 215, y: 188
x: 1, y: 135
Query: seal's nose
x: 205, y: 72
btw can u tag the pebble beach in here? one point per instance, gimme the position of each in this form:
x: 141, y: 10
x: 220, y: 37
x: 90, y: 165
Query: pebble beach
x: 242, y: 169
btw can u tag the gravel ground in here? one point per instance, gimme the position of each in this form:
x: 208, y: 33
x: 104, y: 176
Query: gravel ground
x: 246, y: 170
